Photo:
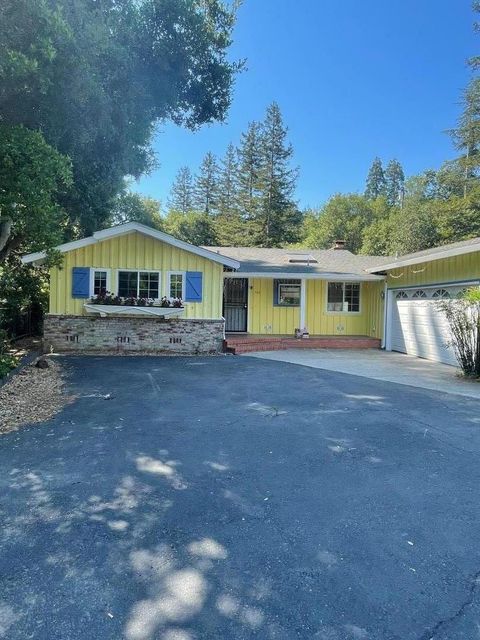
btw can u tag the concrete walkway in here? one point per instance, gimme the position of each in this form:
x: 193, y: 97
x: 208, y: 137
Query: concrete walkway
x: 380, y: 365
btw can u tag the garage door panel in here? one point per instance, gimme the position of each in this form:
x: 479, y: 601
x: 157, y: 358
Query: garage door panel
x: 419, y: 329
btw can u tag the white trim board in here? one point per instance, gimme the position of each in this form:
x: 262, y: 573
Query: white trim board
x: 435, y: 285
x: 108, y: 271
x: 289, y: 275
x: 130, y: 227
x: 167, y: 283
x: 439, y: 255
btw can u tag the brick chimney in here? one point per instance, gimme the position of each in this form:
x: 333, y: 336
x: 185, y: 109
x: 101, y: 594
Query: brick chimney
x: 339, y: 245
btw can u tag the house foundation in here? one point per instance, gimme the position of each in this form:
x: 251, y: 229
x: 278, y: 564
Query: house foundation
x: 118, y: 335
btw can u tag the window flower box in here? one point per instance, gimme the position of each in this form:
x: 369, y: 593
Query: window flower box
x: 109, y: 304
x: 105, y: 310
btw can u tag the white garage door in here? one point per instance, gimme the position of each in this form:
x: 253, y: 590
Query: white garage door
x: 416, y: 325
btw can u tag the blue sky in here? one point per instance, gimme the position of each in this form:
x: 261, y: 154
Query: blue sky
x: 353, y: 79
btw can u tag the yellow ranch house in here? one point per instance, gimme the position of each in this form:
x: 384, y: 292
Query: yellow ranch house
x: 132, y: 288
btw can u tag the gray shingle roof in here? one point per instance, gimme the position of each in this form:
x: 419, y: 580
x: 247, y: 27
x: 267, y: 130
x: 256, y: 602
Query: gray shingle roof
x: 276, y: 261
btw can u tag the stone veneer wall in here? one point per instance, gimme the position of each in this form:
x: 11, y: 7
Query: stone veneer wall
x: 116, y: 334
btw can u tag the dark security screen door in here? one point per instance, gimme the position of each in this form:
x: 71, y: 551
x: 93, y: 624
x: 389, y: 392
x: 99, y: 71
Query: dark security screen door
x: 235, y: 297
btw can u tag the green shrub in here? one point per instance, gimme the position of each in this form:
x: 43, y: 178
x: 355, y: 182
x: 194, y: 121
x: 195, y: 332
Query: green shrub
x: 7, y: 360
x: 463, y: 317
x: 7, y: 363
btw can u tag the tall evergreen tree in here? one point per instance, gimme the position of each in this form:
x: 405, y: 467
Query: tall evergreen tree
x: 248, y: 178
x: 394, y: 183
x: 466, y: 136
x: 181, y: 194
x: 227, y: 183
x: 278, y: 217
x: 375, y: 185
x: 229, y: 223
x: 206, y: 186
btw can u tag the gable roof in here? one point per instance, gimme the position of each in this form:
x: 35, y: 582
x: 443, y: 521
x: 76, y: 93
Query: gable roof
x: 301, y: 263
x: 437, y: 253
x: 130, y: 227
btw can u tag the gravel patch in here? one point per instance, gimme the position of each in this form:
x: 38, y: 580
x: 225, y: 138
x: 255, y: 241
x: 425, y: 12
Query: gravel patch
x: 32, y: 395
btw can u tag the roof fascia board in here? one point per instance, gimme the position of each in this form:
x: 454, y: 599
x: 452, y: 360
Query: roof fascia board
x: 63, y: 248
x: 449, y: 253
x: 331, y: 277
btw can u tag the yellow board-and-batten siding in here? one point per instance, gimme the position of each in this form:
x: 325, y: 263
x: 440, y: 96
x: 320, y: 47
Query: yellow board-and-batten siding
x: 367, y: 322
x: 136, y: 251
x: 266, y: 318
x: 263, y: 316
x: 455, y: 269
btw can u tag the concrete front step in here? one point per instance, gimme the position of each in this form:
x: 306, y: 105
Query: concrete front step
x: 246, y: 344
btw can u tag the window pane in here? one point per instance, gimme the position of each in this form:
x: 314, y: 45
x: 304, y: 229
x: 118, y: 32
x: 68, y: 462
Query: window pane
x: 289, y: 294
x: 148, y: 285
x: 176, y: 285
x: 127, y: 284
x: 441, y: 293
x: 99, y: 282
x: 352, y: 297
x: 335, y: 296
x: 419, y: 294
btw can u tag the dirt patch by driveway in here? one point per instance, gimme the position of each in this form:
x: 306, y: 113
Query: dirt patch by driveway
x: 32, y: 395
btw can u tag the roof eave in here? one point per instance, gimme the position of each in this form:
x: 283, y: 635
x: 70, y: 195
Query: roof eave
x: 130, y: 227
x: 285, y: 275
x: 448, y: 253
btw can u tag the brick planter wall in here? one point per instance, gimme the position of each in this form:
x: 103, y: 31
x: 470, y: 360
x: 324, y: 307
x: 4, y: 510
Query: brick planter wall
x: 76, y: 334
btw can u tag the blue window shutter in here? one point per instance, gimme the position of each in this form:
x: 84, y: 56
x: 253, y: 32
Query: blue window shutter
x: 275, y: 292
x: 193, y: 286
x: 80, y: 282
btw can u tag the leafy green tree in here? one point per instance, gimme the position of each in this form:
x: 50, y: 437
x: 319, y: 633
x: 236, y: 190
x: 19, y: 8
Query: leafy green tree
x: 194, y: 227
x: 133, y: 207
x: 96, y: 77
x: 394, y: 183
x: 206, y: 189
x: 277, y: 218
x: 343, y: 217
x: 458, y: 217
x: 182, y: 195
x: 414, y: 227
x: 375, y: 184
x: 377, y: 238
x: 22, y: 289
x: 32, y: 178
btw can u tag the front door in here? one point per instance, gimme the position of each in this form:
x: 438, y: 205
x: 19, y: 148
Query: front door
x: 235, y: 304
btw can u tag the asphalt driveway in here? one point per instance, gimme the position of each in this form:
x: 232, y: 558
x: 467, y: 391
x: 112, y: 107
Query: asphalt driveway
x: 237, y: 498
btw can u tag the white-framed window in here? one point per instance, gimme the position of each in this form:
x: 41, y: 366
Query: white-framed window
x: 99, y: 281
x: 138, y: 284
x: 288, y: 293
x: 176, y: 284
x: 343, y: 297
